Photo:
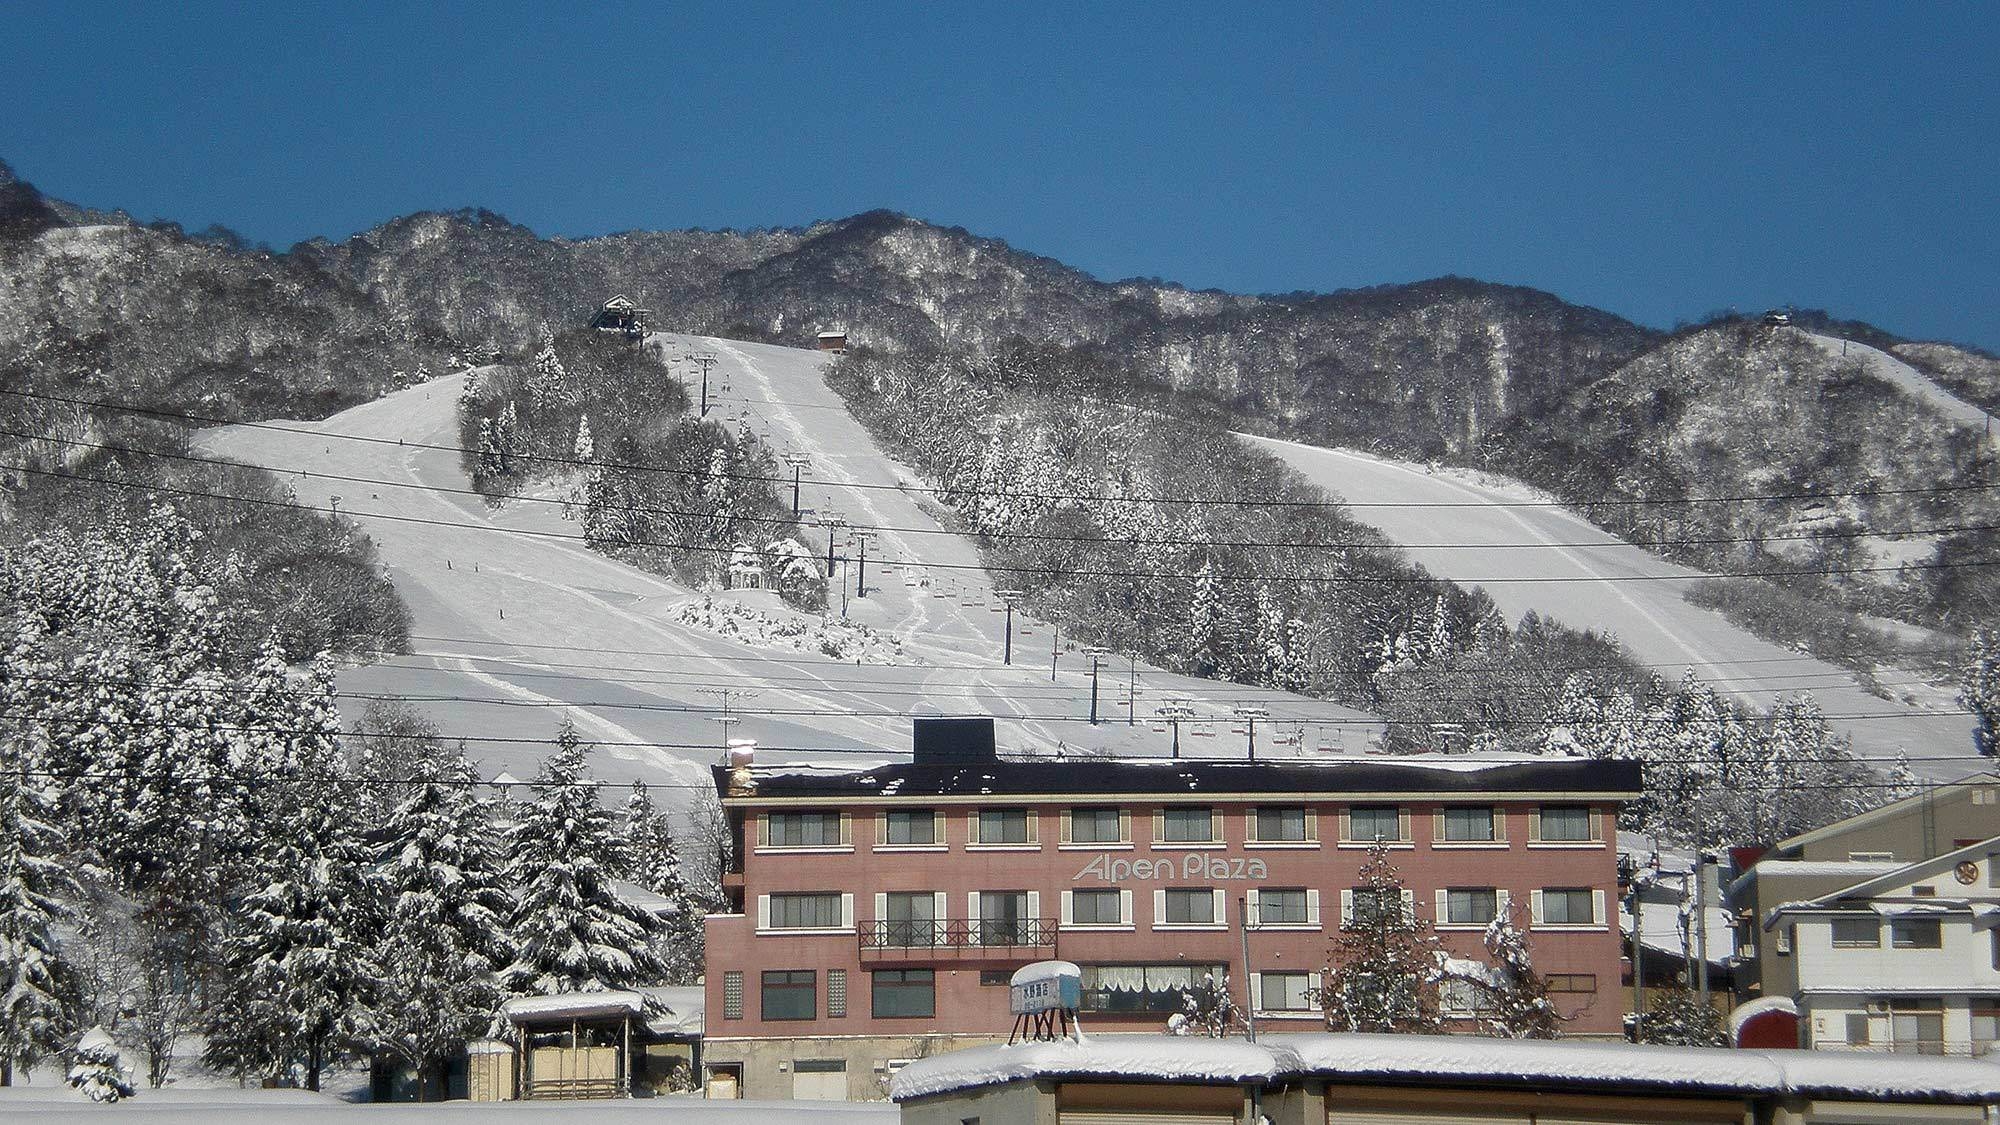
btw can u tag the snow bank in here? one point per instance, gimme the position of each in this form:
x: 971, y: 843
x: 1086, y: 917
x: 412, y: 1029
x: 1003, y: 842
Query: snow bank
x: 1748, y: 1010
x: 825, y: 636
x: 1158, y: 1058
x: 1566, y: 1063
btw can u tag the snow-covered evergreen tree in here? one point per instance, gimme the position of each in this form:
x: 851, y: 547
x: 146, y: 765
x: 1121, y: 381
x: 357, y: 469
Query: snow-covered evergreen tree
x: 584, y: 448
x: 1518, y: 998
x: 1207, y: 1009
x: 1676, y: 1017
x: 444, y: 940
x: 38, y: 983
x: 1383, y: 972
x: 653, y: 861
x: 572, y: 930
x: 1979, y: 691
x: 299, y: 966
x: 98, y: 1069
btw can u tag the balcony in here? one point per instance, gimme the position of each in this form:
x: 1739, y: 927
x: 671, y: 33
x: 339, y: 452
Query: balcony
x: 920, y: 943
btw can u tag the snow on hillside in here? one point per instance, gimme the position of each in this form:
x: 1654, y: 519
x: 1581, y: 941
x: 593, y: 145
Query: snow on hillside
x: 517, y: 622
x: 1483, y: 535
x: 1905, y: 378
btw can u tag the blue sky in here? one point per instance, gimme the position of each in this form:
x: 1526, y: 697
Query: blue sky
x: 1660, y: 161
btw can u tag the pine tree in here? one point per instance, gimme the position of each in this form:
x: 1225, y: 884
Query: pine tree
x: 653, y: 861
x: 1207, y: 1009
x: 1979, y: 691
x: 1676, y: 1017
x: 445, y: 941
x: 573, y: 931
x: 38, y: 984
x: 1383, y: 973
x: 1519, y: 1004
x: 98, y: 1069
x: 584, y: 448
x: 299, y: 966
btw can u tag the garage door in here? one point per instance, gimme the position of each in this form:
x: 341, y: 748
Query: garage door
x: 819, y: 1080
x: 1421, y: 1117
x: 1141, y: 1117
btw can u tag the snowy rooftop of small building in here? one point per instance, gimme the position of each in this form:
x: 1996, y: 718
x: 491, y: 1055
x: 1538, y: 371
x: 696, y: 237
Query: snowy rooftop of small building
x: 574, y: 1005
x: 1001, y: 777
x: 1459, y: 1060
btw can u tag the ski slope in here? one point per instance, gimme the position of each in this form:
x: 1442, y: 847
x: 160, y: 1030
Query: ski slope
x: 1904, y: 378
x: 1606, y: 584
x: 517, y: 623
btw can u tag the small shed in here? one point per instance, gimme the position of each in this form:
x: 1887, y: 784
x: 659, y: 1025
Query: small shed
x: 746, y: 568
x: 833, y: 340
x: 614, y: 1044
x: 621, y: 314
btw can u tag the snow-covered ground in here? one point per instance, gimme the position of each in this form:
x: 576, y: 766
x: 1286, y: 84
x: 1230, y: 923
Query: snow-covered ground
x: 1905, y: 378
x: 518, y: 622
x: 54, y: 1105
x: 1604, y: 583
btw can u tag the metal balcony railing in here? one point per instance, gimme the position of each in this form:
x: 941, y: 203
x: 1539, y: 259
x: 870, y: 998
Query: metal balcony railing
x: 998, y: 936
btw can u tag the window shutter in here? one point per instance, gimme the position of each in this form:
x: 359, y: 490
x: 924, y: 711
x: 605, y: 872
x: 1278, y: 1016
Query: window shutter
x: 940, y: 910
x: 1437, y: 824
x: 1535, y: 907
x: 1250, y: 915
x: 1126, y: 914
x: 1159, y: 907
x: 1346, y: 825
x: 1502, y: 904
x: 1312, y: 908
x: 1534, y: 826
x: 763, y: 912
x: 1250, y: 826
x: 846, y: 829
x: 1597, y: 914
x: 1066, y: 837
x: 1443, y: 906
x: 881, y: 908
x: 1257, y: 992
x: 1068, y: 908
x: 1124, y: 826
x: 1409, y: 906
x: 1312, y: 826
x: 1499, y: 825
x: 972, y: 917
x: 881, y: 828
x: 1214, y: 824
x: 763, y: 830
x: 1034, y: 826
x: 1402, y: 825
x: 847, y: 911
x: 1159, y: 825
x: 1221, y: 905
x: 1597, y: 825
x: 1034, y: 911
x: 1346, y: 907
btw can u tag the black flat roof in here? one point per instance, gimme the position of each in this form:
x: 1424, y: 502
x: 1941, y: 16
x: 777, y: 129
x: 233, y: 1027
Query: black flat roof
x: 1328, y: 776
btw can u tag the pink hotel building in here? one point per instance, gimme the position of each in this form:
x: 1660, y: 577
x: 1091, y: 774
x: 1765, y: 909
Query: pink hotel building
x: 876, y: 914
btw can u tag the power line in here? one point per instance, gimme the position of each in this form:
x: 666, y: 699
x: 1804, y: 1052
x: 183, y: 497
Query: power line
x: 1050, y: 571
x: 1193, y: 501
x: 1035, y: 537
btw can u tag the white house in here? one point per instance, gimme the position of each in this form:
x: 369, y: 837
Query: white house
x: 1907, y: 961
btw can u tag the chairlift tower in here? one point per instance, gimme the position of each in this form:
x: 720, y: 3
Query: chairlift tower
x: 1008, y: 598
x: 1250, y: 715
x: 798, y: 462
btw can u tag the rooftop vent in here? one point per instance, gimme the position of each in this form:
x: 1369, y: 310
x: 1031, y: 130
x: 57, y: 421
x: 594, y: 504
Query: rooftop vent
x: 952, y: 741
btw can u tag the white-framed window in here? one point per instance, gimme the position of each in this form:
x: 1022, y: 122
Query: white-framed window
x: 805, y: 910
x: 1467, y: 824
x: 1369, y: 824
x: 1566, y: 824
x: 1283, y: 991
x: 1281, y: 824
x: 1100, y: 906
x: 804, y: 829
x: 1004, y: 828
x: 1098, y: 826
x: 911, y: 828
x: 1469, y: 906
x: 1180, y: 825
x: 1567, y: 906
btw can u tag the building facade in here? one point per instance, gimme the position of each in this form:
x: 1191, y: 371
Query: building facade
x: 878, y: 913
x: 1907, y: 962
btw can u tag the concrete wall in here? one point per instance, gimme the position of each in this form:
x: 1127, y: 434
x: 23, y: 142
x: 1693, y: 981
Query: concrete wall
x: 768, y: 1064
x: 1017, y: 1103
x: 1960, y: 815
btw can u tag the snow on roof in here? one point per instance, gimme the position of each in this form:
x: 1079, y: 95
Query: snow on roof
x: 1160, y: 1058
x: 675, y: 1010
x: 1562, y: 1063
x: 1858, y: 870
x: 832, y: 332
x: 1044, y: 970
x: 574, y: 1005
x: 488, y: 1047
x: 1749, y: 1010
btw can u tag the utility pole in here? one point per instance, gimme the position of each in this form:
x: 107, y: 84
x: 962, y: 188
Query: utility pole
x: 798, y: 462
x: 1008, y: 598
x: 1250, y: 1008
x: 861, y: 580
x: 1701, y: 916
x: 335, y: 501
x: 1132, y: 690
x: 1174, y: 713
x: 704, y: 360
x: 1096, y: 661
x: 1055, y: 651
x: 1250, y: 715
x: 723, y: 693
x: 1638, y: 956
